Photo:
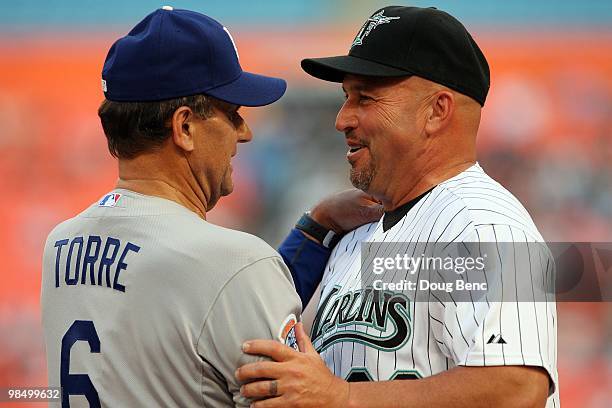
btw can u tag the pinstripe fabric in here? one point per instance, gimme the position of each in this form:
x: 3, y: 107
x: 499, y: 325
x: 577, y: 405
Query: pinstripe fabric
x: 470, y: 207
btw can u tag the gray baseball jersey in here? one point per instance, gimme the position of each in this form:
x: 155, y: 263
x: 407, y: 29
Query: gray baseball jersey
x: 415, y: 335
x: 145, y: 304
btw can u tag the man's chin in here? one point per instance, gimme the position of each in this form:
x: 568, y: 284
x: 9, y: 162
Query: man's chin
x: 361, y: 179
x: 227, y: 190
x: 223, y: 191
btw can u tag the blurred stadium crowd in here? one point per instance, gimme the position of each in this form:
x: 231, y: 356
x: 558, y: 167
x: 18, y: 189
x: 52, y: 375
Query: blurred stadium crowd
x: 545, y: 135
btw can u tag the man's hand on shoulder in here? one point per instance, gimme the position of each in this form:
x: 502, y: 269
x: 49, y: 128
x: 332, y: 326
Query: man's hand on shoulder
x: 301, y: 379
x: 347, y: 210
x: 293, y: 378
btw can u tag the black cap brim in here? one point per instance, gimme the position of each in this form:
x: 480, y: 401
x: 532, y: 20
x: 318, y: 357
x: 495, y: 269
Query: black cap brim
x: 334, y: 69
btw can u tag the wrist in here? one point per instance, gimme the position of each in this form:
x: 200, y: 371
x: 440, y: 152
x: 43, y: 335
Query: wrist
x: 320, y: 216
x: 316, y: 232
x: 343, y: 393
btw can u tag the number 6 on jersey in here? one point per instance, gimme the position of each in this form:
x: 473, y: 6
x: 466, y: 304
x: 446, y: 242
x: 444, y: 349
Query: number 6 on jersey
x: 78, y: 384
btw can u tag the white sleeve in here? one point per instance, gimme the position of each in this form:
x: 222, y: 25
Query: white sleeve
x: 259, y: 302
x: 516, y: 325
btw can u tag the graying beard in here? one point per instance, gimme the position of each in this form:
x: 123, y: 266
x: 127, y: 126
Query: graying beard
x: 362, y: 179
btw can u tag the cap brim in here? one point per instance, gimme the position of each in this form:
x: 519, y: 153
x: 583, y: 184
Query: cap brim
x: 250, y: 90
x: 334, y: 69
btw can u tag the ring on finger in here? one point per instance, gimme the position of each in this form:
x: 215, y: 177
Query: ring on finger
x: 273, y: 388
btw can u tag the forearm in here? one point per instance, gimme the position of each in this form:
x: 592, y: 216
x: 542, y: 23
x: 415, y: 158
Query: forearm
x: 459, y: 387
x: 306, y: 255
x: 306, y: 260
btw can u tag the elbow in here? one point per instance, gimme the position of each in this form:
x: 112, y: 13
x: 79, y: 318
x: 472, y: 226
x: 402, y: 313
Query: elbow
x: 530, y: 397
x: 529, y: 389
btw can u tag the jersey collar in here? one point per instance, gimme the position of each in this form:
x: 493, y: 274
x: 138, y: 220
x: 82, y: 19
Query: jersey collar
x: 390, y: 218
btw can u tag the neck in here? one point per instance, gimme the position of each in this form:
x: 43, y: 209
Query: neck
x: 140, y: 175
x: 422, y: 182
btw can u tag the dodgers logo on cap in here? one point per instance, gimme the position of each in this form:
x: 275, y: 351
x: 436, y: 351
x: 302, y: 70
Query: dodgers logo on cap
x: 173, y: 53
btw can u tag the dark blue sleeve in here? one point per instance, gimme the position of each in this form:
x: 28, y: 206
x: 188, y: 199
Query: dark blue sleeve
x: 306, y: 260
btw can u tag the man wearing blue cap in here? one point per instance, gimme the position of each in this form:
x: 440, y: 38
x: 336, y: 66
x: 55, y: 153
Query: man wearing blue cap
x: 145, y: 303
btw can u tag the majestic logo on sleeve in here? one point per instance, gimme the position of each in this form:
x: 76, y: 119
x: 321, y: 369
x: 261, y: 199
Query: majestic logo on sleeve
x: 372, y: 22
x: 362, y: 316
x: 496, y: 339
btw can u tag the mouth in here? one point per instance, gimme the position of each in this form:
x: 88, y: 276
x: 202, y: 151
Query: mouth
x: 356, y: 150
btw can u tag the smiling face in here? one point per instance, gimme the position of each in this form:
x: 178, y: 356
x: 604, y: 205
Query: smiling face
x: 383, y: 121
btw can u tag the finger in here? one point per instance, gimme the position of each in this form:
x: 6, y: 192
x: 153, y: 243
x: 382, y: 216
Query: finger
x: 370, y: 212
x: 374, y: 199
x: 365, y: 196
x: 260, y: 369
x: 277, y: 402
x: 259, y: 389
x: 377, y: 209
x: 270, y: 348
x: 303, y: 340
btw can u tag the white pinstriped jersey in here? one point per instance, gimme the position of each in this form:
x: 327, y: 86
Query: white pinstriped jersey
x: 426, y: 336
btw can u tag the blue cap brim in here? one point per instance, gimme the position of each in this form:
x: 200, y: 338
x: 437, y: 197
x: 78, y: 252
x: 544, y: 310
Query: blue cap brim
x: 250, y: 90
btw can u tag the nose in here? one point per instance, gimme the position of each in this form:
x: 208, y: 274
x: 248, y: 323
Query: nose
x: 244, y: 133
x: 346, y: 120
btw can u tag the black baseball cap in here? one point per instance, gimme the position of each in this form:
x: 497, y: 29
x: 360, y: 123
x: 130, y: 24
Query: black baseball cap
x: 173, y: 53
x: 402, y: 41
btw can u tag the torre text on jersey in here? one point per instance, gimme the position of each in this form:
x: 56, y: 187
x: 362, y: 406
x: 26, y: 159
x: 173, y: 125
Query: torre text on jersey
x: 93, y: 259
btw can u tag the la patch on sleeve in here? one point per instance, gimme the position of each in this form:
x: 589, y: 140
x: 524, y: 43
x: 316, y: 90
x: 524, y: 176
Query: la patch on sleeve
x: 286, y: 335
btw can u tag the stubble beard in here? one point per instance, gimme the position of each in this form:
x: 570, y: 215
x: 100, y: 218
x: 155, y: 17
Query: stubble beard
x: 362, y: 178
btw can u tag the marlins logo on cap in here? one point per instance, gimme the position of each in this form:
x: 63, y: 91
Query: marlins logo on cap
x: 372, y: 22
x: 425, y: 42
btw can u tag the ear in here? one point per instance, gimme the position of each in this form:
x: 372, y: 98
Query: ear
x: 183, y: 128
x: 441, y: 111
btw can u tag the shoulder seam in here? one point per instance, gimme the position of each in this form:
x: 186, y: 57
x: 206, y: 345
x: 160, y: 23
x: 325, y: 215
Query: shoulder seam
x: 464, y: 205
x: 473, y: 223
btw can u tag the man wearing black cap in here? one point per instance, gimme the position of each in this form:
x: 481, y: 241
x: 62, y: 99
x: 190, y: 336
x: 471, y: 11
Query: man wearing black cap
x: 415, y: 82
x: 145, y: 303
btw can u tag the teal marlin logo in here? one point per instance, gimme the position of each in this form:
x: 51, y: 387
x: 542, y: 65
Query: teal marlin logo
x: 372, y: 22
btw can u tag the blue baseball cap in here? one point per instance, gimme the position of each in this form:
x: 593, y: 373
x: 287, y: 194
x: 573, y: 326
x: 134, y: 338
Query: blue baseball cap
x: 173, y: 53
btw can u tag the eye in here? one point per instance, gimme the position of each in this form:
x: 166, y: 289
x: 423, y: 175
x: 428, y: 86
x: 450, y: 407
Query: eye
x: 365, y: 98
x: 235, y: 118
